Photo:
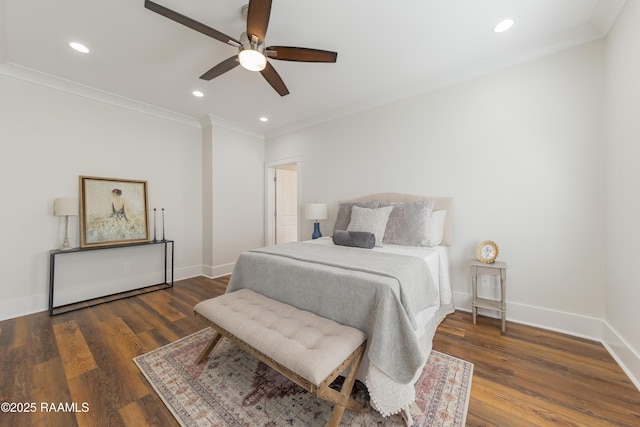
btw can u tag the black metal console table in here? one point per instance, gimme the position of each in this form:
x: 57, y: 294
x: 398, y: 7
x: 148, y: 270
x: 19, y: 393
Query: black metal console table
x: 65, y: 308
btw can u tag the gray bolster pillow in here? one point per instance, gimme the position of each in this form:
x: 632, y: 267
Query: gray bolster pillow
x: 357, y: 239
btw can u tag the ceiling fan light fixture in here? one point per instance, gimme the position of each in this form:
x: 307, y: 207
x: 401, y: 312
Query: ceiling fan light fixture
x: 252, y: 60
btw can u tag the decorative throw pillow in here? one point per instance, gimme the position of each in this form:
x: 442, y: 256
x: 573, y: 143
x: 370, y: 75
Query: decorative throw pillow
x: 409, y: 223
x: 436, y: 230
x: 371, y: 220
x: 344, y: 213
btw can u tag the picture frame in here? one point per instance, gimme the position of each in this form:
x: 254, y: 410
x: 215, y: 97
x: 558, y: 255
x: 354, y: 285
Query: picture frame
x: 113, y: 211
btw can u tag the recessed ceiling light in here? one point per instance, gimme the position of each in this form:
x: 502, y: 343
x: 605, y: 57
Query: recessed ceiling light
x: 79, y: 47
x: 264, y: 119
x: 198, y: 93
x: 503, y: 26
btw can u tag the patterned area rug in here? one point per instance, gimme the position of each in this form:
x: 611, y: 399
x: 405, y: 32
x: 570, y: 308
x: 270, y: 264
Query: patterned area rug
x: 234, y: 389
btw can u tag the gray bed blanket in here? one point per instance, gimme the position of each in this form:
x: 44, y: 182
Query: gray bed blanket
x: 378, y: 293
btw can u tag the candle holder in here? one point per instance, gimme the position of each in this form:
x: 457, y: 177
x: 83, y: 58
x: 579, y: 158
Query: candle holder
x: 154, y: 225
x: 163, y: 239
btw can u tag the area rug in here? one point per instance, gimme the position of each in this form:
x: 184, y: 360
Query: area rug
x: 233, y: 389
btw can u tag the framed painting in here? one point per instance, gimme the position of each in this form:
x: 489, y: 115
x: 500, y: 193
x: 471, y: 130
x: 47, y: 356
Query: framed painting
x: 113, y: 211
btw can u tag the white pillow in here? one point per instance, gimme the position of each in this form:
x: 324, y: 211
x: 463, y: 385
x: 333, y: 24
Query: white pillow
x: 370, y: 220
x: 435, y: 234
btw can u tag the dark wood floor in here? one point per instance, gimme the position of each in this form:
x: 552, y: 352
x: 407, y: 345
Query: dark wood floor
x: 526, y: 377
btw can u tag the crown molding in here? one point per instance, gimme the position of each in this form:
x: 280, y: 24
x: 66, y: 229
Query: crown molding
x: 466, y: 72
x: 605, y: 14
x: 4, y: 46
x: 215, y: 121
x: 52, y: 82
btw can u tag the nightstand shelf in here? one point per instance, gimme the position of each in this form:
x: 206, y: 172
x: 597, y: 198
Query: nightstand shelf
x: 498, y: 269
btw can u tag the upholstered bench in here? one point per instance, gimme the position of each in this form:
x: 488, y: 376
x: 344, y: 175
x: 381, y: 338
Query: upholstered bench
x: 308, y: 349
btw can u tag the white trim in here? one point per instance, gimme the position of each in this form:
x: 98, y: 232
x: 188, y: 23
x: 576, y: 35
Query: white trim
x: 567, y: 323
x: 35, y: 77
x: 605, y: 14
x: 623, y: 353
x: 182, y: 273
x: 211, y: 120
x: 581, y: 326
x: 211, y: 272
x: 269, y: 205
x: 282, y: 162
x: 23, y: 306
x: 535, y: 50
x: 269, y: 173
x: 37, y: 303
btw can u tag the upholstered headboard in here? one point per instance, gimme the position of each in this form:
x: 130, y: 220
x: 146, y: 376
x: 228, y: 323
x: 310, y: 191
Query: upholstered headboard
x: 440, y: 203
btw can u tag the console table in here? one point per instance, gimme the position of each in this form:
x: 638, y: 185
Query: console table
x: 65, y: 308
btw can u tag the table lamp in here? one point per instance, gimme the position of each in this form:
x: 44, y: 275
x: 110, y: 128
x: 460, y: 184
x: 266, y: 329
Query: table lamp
x: 315, y: 211
x: 65, y: 207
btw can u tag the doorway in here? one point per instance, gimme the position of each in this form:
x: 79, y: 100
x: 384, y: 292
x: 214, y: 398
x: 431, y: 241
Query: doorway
x: 283, y: 190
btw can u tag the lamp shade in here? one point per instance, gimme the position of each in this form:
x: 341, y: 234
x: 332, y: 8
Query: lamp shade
x: 65, y: 206
x: 315, y: 211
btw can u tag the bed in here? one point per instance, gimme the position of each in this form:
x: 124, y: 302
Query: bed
x: 398, y: 292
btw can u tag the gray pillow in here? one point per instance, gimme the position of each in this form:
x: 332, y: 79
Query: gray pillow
x: 344, y: 213
x: 409, y: 223
x: 356, y: 239
x: 370, y: 220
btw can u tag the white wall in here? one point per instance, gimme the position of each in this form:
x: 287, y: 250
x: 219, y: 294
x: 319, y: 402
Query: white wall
x: 47, y: 139
x: 622, y: 84
x: 520, y: 151
x: 233, y: 174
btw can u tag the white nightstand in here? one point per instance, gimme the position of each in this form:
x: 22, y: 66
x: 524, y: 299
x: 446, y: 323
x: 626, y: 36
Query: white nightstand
x: 498, y: 269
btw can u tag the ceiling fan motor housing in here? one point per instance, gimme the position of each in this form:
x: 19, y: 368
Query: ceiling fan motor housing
x: 251, y: 53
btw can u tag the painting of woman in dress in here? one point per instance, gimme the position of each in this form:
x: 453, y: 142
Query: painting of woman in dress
x: 113, y: 211
x: 118, y: 202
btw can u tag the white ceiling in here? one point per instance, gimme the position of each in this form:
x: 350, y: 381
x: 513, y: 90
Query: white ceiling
x: 387, y: 50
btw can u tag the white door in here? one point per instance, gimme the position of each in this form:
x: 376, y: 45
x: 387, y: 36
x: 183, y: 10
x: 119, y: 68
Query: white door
x: 286, y: 215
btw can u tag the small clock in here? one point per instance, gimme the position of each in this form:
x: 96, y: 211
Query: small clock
x: 487, y: 252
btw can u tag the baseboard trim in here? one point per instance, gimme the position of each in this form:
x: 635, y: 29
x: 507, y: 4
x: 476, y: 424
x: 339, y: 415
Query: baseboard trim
x: 623, y: 353
x: 23, y: 306
x: 211, y: 272
x: 187, y: 272
x: 31, y: 304
x: 567, y: 323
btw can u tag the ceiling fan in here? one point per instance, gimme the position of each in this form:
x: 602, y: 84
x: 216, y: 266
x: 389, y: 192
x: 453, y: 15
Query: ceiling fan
x: 252, y: 53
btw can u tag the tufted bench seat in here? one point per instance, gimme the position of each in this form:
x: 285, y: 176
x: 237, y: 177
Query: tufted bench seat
x: 308, y: 349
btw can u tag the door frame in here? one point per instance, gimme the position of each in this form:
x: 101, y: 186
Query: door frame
x: 270, y: 196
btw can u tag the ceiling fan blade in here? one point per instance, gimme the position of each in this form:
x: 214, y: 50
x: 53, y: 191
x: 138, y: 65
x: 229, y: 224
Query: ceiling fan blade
x: 258, y: 18
x: 301, y: 54
x: 191, y: 23
x: 271, y: 75
x: 221, y: 68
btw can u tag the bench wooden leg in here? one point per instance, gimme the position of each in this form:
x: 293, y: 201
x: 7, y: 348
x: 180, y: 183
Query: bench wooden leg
x: 343, y: 399
x: 205, y: 353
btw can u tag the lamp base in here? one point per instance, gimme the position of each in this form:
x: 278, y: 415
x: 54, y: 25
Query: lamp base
x: 316, y: 231
x: 66, y: 245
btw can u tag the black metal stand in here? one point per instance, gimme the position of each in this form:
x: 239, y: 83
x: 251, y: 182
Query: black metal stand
x: 106, y: 298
